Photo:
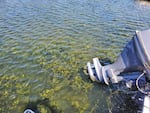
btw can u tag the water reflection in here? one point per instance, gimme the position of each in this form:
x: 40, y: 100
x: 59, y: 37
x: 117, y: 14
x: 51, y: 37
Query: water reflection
x: 2, y: 6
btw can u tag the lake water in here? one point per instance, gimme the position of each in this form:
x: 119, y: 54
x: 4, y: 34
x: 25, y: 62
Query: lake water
x: 44, y: 45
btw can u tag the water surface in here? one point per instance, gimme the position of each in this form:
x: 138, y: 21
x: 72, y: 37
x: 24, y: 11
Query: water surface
x: 44, y: 46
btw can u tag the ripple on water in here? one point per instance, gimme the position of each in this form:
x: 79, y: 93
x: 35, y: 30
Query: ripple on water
x: 44, y: 46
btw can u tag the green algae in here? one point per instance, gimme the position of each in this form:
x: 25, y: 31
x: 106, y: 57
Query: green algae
x: 61, y: 79
x: 55, y: 72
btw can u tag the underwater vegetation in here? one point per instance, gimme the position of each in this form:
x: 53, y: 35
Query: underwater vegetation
x: 44, y: 46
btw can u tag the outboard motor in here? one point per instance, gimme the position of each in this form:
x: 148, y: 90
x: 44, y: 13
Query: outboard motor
x: 134, y: 58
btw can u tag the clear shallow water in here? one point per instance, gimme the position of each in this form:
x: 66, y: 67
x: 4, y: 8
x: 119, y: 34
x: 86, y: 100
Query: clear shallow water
x: 44, y: 46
